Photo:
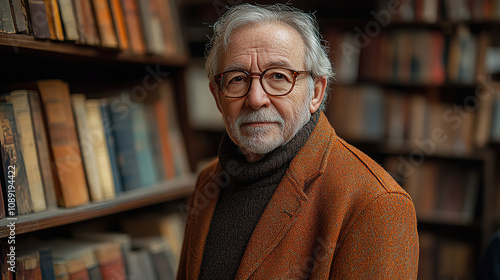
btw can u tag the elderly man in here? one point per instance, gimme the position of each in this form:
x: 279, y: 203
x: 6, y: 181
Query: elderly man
x: 287, y: 198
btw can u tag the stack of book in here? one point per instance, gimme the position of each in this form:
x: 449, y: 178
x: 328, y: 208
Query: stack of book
x: 67, y: 150
x: 135, y: 26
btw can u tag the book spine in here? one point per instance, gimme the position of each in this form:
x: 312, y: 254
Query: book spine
x: 68, y: 19
x: 42, y: 149
x: 46, y: 264
x: 126, y: 155
x: 20, y: 16
x: 64, y: 142
x: 105, y: 23
x: 142, y: 144
x: 56, y: 19
x: 93, y: 108
x: 12, y: 158
x: 133, y: 23
x: 6, y: 20
x: 86, y: 23
x: 87, y: 146
x: 119, y: 22
x: 38, y: 15
x: 22, y: 113
x: 111, y: 146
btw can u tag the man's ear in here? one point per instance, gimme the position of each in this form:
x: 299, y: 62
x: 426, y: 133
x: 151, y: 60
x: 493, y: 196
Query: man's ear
x: 215, y: 93
x: 318, y: 94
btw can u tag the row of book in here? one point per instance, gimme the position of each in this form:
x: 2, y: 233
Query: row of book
x: 444, y: 258
x: 432, y: 11
x: 440, y: 190
x: 138, y: 26
x: 414, y: 56
x: 411, y: 120
x: 68, y: 150
x: 99, y: 254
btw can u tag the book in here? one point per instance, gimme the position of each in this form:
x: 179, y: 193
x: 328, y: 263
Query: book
x: 28, y: 266
x: 54, y: 20
x: 140, y: 264
x: 133, y: 26
x: 39, y: 21
x: 152, y: 29
x: 154, y: 136
x: 121, y: 125
x: 86, y: 25
x: 161, y: 255
x: 20, y: 16
x: 22, y: 113
x: 168, y: 164
x: 111, y: 145
x: 104, y: 23
x: 170, y: 26
x: 119, y: 23
x: 98, y: 140
x: 14, y: 173
x: 427, y: 256
x: 110, y: 258
x: 7, y: 260
x: 42, y: 149
x: 68, y: 17
x: 88, y: 135
x: 6, y: 20
x: 63, y: 138
x: 167, y: 95
x: 143, y: 146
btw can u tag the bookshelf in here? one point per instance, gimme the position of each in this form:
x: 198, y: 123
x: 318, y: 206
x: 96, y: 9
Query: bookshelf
x: 161, y: 193
x: 144, y: 77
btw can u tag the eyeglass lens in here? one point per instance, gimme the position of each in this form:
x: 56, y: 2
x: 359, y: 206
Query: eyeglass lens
x: 275, y: 81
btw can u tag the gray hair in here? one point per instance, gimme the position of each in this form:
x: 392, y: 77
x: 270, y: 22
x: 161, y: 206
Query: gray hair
x: 316, y: 56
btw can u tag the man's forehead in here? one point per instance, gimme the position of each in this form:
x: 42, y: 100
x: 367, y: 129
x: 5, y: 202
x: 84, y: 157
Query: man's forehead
x: 271, y: 44
x: 270, y: 64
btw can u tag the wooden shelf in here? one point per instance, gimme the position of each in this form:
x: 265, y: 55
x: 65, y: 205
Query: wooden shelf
x: 163, y: 192
x: 16, y: 43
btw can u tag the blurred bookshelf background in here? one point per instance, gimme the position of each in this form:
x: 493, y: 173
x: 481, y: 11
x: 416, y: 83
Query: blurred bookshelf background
x: 106, y: 116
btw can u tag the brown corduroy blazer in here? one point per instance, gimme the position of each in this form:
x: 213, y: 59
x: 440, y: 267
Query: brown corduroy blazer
x: 335, y: 215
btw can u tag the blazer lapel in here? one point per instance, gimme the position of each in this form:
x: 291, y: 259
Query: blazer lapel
x: 200, y: 218
x: 288, y: 199
x: 280, y: 213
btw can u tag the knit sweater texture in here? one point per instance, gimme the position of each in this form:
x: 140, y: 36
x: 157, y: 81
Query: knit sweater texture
x: 243, y: 201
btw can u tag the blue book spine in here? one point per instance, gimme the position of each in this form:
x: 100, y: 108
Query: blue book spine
x: 46, y: 264
x: 143, y: 146
x: 121, y: 119
x: 111, y: 144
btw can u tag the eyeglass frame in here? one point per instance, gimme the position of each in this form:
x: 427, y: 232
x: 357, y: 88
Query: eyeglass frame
x: 295, y: 73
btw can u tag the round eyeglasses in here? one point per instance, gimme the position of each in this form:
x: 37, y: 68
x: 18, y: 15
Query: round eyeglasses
x: 274, y: 81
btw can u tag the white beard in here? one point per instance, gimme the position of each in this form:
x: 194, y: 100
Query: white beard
x: 262, y: 140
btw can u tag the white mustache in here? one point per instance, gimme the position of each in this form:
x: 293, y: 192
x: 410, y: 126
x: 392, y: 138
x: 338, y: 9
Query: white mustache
x: 262, y: 115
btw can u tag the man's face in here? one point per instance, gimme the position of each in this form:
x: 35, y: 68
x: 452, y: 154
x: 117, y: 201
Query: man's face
x: 259, y: 123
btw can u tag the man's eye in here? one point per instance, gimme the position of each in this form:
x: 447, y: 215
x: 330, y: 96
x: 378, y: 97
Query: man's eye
x: 237, y: 79
x: 278, y: 76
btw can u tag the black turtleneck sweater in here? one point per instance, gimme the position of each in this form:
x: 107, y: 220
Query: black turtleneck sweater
x: 243, y: 201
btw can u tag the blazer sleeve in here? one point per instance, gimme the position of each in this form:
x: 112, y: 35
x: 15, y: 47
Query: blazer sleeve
x: 381, y: 242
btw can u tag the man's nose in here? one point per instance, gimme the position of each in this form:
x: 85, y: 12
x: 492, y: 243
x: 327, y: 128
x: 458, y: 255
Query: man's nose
x: 256, y: 97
